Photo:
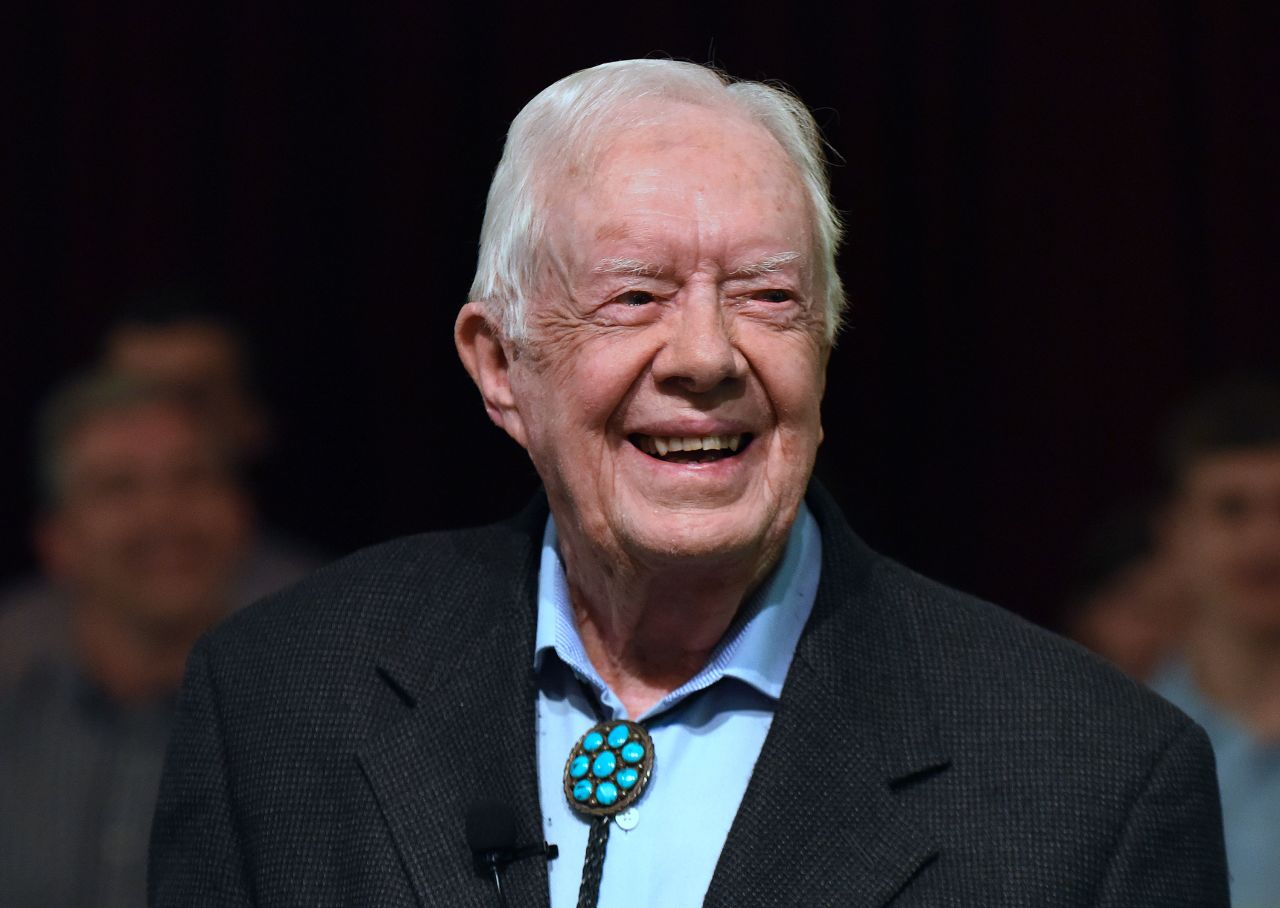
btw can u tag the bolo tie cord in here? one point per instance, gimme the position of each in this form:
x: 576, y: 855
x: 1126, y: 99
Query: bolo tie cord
x: 593, y: 862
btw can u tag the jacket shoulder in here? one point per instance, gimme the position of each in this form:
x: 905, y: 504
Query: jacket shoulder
x: 973, y: 652
x: 376, y: 597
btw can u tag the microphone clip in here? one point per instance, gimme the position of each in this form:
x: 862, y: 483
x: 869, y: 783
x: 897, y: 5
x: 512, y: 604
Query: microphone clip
x: 496, y: 858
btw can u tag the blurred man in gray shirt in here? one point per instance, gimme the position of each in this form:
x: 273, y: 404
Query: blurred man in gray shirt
x: 144, y: 526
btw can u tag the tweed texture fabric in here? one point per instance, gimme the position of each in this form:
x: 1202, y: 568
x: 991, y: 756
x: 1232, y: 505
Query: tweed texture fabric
x: 928, y: 748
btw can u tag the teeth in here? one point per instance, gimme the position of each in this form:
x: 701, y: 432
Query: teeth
x: 662, y: 445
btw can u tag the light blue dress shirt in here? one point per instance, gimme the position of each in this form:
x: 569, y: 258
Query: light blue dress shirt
x: 1249, y: 779
x: 706, y: 734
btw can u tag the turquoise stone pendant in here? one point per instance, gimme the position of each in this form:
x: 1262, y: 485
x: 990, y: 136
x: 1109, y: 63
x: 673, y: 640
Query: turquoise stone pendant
x: 608, y: 768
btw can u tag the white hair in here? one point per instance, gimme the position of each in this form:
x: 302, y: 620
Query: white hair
x: 559, y: 128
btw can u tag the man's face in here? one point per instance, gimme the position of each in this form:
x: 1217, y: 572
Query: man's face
x: 1138, y: 618
x: 669, y: 393
x: 150, y: 526
x: 1227, y: 532
x: 201, y: 362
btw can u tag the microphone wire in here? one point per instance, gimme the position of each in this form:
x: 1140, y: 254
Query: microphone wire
x: 497, y: 884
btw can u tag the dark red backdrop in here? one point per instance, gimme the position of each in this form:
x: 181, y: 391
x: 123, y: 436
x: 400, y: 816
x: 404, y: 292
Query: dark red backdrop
x: 1060, y: 222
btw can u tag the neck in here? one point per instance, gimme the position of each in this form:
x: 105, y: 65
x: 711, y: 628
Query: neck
x: 1239, y: 670
x: 134, y: 662
x: 647, y: 631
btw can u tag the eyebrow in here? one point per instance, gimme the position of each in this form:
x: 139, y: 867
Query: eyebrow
x: 768, y: 265
x: 633, y: 267
x: 637, y: 268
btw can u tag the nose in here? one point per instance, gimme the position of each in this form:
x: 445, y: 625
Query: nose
x: 699, y: 354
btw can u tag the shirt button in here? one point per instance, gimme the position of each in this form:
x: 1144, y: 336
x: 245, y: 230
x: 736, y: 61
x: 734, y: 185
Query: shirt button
x: 628, y: 819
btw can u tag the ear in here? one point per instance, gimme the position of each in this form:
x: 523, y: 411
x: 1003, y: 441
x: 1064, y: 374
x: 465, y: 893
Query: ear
x: 487, y: 358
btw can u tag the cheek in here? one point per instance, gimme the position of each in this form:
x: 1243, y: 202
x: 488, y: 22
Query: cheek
x: 219, y: 517
x: 794, y: 383
x: 562, y: 407
x: 108, y: 528
x: 585, y: 383
x: 97, y: 552
x: 1216, y: 552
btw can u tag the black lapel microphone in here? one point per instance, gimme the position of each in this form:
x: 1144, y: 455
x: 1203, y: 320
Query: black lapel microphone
x: 491, y: 836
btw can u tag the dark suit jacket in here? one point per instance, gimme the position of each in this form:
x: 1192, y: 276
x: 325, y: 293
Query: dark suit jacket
x: 928, y: 749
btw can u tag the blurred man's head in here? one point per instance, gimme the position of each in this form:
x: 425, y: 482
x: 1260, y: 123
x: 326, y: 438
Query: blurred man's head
x: 199, y: 356
x: 143, y: 521
x: 1223, y: 459
x: 1129, y: 602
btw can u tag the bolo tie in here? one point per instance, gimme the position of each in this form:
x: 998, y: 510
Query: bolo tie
x: 605, y: 774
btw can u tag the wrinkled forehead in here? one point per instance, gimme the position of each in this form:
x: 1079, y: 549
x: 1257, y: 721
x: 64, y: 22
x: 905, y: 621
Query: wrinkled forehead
x: 673, y: 160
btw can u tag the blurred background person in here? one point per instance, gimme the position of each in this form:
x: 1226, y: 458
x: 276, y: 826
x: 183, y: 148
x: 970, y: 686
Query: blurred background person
x: 143, y: 528
x: 1130, y: 602
x: 173, y: 339
x: 1223, y: 458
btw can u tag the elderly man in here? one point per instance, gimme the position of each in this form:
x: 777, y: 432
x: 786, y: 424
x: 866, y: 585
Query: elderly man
x: 681, y: 667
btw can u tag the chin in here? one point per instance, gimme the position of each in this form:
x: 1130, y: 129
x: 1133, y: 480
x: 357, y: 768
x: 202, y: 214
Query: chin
x: 177, y: 606
x: 707, y: 537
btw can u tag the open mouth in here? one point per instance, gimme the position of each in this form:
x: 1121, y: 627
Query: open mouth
x: 695, y: 449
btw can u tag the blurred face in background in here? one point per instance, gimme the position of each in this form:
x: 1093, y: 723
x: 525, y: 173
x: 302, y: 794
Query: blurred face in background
x: 1226, y: 533
x: 150, y: 525
x: 203, y: 363
x: 1139, y: 618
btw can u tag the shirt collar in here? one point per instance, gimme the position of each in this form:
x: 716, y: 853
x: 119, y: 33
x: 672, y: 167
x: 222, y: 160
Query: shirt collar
x: 757, y: 648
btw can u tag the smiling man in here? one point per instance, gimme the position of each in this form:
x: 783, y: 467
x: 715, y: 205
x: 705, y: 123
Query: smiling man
x: 680, y: 665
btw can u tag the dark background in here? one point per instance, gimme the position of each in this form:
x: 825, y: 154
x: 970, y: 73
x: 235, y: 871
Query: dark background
x: 1060, y: 222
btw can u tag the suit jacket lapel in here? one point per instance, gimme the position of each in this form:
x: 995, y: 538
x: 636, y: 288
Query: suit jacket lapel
x: 429, y: 767
x: 821, y: 821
